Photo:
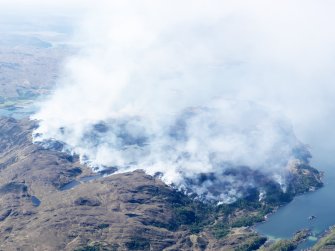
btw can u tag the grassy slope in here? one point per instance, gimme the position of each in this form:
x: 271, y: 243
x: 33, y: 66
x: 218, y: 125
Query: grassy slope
x: 327, y: 242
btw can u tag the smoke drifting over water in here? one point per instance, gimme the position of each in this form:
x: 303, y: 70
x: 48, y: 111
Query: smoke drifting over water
x: 161, y: 87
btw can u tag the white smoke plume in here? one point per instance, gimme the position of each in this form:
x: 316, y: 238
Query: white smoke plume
x: 162, y: 86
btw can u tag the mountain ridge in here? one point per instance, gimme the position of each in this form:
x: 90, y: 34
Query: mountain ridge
x: 50, y: 201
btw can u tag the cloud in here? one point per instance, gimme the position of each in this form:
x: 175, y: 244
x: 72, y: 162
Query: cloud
x: 40, y: 4
x: 22, y: 12
x: 165, y: 86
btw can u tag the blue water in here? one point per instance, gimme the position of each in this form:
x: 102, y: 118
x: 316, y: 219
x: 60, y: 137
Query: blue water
x: 70, y: 185
x: 36, y: 202
x: 18, y: 112
x: 294, y: 216
x: 75, y: 183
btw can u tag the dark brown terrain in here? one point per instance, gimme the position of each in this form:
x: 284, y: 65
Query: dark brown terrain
x: 119, y: 211
x: 49, y: 201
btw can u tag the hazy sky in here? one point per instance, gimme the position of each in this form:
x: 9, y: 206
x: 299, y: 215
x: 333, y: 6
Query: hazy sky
x: 154, y: 59
x: 43, y: 14
x: 40, y: 5
x: 280, y: 53
x: 284, y: 50
x: 159, y: 57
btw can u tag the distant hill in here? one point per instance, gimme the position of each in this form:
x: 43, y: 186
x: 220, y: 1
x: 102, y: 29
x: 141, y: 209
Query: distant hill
x: 29, y: 63
x: 24, y: 41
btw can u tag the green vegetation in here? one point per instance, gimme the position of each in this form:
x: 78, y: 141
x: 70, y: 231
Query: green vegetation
x: 253, y: 243
x: 247, y: 221
x: 307, y: 178
x: 138, y: 243
x: 283, y: 245
x: 220, y: 230
x: 187, y: 212
x: 103, y: 225
x: 327, y: 242
x: 289, y: 245
x: 185, y: 216
x: 98, y: 247
x: 195, y: 216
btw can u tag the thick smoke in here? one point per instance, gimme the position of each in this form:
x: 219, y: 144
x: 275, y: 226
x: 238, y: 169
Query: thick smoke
x: 163, y: 87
